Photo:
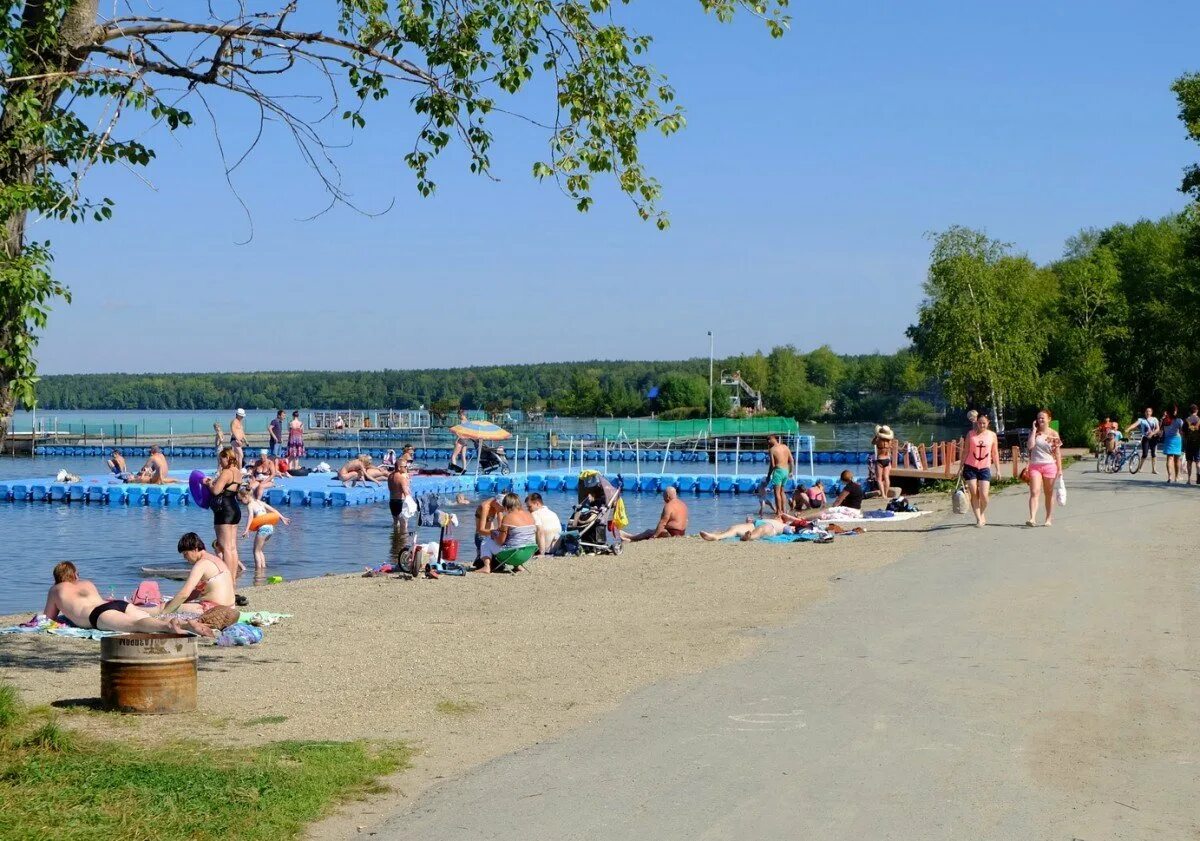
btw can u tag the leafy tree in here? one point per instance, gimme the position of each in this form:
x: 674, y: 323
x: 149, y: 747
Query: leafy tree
x: 1091, y: 317
x: 981, y: 323
x: 1187, y: 93
x: 914, y: 410
x: 825, y: 368
x: 683, y: 391
x: 788, y: 390
x: 63, y: 63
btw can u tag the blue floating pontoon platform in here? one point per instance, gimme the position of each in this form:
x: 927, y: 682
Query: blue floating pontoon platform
x: 324, y: 489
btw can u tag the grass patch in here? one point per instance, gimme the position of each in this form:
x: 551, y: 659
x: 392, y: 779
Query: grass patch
x: 456, y: 707
x: 10, y: 708
x: 265, y: 719
x: 63, y: 785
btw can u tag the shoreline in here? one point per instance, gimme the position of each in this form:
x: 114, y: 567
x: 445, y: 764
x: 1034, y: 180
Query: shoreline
x: 469, y: 669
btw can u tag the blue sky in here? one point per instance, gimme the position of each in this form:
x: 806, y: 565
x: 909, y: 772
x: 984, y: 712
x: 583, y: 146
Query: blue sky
x: 800, y: 194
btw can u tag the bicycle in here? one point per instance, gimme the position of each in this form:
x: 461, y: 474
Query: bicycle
x: 1128, y: 454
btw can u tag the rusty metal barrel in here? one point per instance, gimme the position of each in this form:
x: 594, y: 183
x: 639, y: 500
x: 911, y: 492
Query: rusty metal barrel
x: 148, y: 673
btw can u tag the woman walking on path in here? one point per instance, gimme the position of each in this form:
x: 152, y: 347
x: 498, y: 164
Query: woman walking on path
x: 981, y: 452
x: 1148, y: 426
x: 1172, y: 443
x: 1045, y: 466
x: 295, y: 447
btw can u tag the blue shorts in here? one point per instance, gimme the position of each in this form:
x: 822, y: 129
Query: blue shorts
x: 981, y: 474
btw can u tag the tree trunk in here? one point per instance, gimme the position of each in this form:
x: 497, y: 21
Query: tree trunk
x: 65, y: 52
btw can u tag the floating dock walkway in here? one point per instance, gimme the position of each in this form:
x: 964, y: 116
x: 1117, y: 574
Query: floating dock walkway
x: 324, y: 489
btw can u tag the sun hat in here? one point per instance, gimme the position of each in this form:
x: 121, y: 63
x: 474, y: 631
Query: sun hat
x: 241, y: 413
x: 885, y: 432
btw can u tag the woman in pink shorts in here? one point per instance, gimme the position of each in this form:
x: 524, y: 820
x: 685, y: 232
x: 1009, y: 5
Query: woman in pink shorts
x: 1045, y: 463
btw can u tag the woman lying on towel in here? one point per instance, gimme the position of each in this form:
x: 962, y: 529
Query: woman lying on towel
x: 757, y: 529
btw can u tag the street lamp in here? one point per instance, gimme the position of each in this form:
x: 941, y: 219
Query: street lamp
x: 710, y: 380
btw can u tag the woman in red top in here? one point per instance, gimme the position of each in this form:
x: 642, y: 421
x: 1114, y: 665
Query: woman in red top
x: 981, y: 452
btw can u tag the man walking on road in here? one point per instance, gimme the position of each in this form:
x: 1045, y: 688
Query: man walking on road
x: 779, y: 468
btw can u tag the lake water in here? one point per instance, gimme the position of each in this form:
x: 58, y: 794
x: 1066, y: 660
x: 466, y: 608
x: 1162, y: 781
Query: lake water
x: 110, y: 545
x: 159, y: 425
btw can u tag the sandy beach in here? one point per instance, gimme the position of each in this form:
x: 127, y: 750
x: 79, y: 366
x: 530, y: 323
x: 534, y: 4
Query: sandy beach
x: 470, y: 668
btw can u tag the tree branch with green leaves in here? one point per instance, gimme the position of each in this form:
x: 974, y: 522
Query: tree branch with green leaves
x: 456, y: 63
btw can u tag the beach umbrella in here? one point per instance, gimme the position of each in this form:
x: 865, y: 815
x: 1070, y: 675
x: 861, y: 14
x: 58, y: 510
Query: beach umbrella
x: 480, y: 430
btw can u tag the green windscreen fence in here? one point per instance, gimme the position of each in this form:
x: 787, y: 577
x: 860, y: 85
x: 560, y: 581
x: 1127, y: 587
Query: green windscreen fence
x: 659, y: 430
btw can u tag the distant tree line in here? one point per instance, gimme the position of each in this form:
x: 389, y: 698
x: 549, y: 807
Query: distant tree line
x: 810, y: 385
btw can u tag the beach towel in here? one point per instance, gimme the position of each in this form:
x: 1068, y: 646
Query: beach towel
x: 42, y: 624
x: 806, y: 536
x: 262, y: 618
x: 875, y: 517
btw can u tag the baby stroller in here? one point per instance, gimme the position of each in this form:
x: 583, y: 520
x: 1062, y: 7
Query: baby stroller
x: 492, y: 459
x: 587, y: 527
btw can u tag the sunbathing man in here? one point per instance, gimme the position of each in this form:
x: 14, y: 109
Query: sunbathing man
x: 154, y: 471
x: 81, y: 602
x: 671, y: 523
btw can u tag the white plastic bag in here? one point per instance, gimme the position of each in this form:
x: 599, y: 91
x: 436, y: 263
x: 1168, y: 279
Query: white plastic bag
x: 958, y: 499
x: 1060, y: 490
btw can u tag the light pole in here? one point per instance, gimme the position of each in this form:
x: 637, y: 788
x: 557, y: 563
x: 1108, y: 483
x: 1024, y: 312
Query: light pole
x: 710, y: 380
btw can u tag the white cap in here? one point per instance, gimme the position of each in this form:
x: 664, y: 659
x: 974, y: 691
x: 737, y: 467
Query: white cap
x: 241, y: 413
x: 262, y: 452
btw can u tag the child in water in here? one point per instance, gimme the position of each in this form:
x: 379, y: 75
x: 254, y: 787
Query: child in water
x: 256, y: 508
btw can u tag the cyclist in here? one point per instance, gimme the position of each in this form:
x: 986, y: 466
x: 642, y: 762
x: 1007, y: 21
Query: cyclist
x: 1148, y: 426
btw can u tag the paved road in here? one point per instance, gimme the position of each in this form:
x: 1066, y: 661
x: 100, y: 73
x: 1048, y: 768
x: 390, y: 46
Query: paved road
x: 1005, y: 683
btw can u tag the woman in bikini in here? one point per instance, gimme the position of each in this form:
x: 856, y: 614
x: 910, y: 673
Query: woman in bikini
x: 208, y: 585
x: 884, y: 443
x: 1045, y: 465
x: 981, y: 452
x: 227, y: 513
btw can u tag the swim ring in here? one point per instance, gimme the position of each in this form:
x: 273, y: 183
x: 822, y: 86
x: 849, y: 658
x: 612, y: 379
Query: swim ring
x: 201, y: 495
x: 268, y: 519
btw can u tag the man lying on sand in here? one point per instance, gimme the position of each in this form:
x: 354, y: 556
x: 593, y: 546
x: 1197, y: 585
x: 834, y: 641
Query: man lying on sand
x: 672, y: 523
x: 81, y: 602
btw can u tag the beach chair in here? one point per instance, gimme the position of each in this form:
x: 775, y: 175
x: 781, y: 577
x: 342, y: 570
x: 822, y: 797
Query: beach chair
x: 514, y: 557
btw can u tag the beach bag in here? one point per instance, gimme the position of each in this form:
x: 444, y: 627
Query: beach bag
x: 147, y: 594
x: 958, y: 499
x: 1060, y: 490
x: 240, y: 634
x: 220, y: 617
x: 901, y: 505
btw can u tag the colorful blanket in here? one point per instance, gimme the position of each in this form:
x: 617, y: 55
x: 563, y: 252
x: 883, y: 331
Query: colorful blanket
x: 42, y: 624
